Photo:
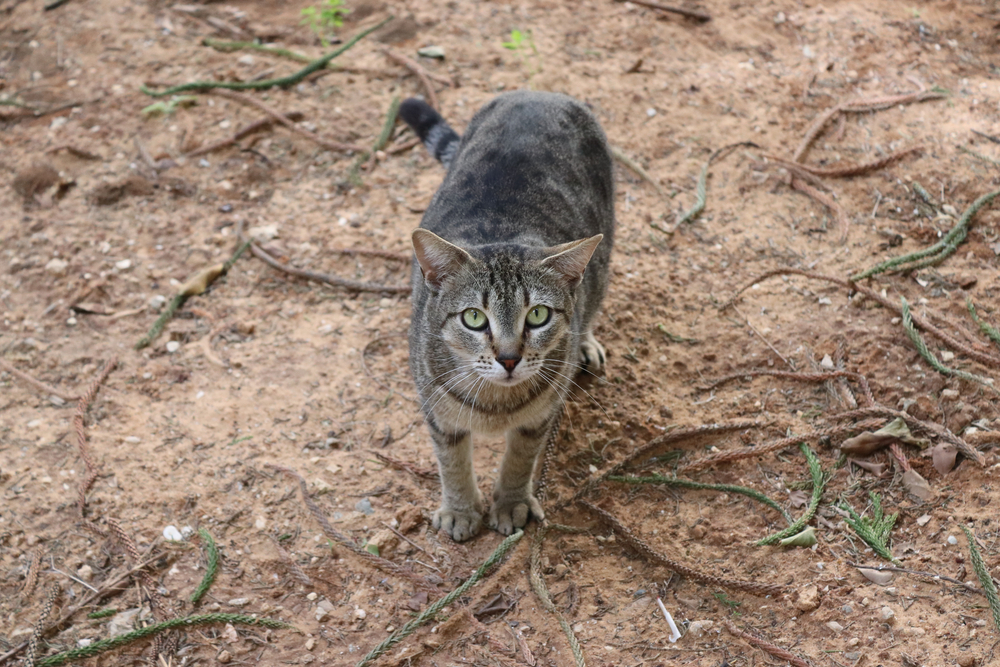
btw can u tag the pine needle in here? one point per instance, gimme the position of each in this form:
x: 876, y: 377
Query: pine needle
x: 875, y: 530
x: 984, y: 577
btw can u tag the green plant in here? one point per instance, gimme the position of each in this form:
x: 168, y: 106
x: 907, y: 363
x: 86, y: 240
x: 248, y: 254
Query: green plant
x: 520, y: 43
x: 325, y: 17
x: 875, y: 530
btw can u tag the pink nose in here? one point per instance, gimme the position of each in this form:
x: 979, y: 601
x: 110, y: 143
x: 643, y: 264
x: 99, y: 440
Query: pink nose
x: 509, y: 362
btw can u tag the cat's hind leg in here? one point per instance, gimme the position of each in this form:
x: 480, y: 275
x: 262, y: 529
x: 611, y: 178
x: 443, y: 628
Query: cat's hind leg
x: 592, y: 354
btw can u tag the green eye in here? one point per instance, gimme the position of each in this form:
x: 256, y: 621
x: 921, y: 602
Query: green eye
x: 474, y: 318
x: 538, y: 316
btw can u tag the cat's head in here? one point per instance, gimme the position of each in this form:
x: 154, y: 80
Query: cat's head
x: 506, y: 311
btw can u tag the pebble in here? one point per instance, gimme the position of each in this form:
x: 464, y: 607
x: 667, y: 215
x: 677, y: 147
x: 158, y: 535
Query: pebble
x: 171, y: 534
x: 224, y: 657
x: 967, y: 661
x: 133, y: 440
x: 122, y: 622
x: 57, y: 267
x: 245, y: 59
x: 239, y: 602
x: 666, y: 412
x: 173, y: 346
x: 260, y: 523
x: 157, y: 302
x: 432, y: 51
x: 364, y: 506
x: 71, y: 321
x: 123, y: 265
x: 887, y: 615
x: 651, y: 112
x: 924, y: 520
x: 876, y: 576
x: 85, y: 572
x: 700, y: 628
x: 952, y: 540
x: 83, y: 643
x: 835, y: 627
x: 312, y: 596
x: 385, y: 302
x: 914, y: 632
x: 360, y: 614
x: 827, y: 362
x: 947, y: 355
x: 949, y: 394
x: 310, y: 643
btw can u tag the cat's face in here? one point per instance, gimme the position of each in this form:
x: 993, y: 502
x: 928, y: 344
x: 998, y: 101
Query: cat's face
x: 501, y: 317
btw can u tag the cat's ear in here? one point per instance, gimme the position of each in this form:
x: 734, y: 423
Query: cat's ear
x: 570, y: 260
x: 438, y: 259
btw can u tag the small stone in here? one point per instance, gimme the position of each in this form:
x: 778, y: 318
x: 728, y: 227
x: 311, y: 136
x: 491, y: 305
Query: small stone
x: 122, y: 622
x: 876, y: 576
x: 887, y: 615
x: 321, y: 614
x: 171, y: 534
x: 949, y: 394
x: 123, y: 265
x: 360, y: 614
x: 808, y: 598
x: 967, y: 661
x: 385, y: 302
x: 260, y: 523
x: 312, y: 596
x: 224, y: 657
x: 852, y: 657
x: 560, y: 570
x: 827, y: 362
x: 650, y: 112
x: 947, y: 355
x: 923, y: 520
x: 432, y: 51
x: 364, y: 506
x: 666, y: 412
x: 700, y: 628
x: 835, y: 627
x: 780, y: 18
x: 57, y: 267
x: 226, y: 185
x: 239, y: 602
x: 952, y: 540
x: 133, y: 440
x: 325, y: 605
x: 310, y: 643
x: 173, y: 346
x: 914, y: 632
x: 84, y: 643
x: 157, y: 302
x: 71, y: 321
x: 85, y: 572
x: 245, y: 59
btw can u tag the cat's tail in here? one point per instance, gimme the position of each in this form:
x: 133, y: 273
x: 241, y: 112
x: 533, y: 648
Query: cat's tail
x: 433, y: 130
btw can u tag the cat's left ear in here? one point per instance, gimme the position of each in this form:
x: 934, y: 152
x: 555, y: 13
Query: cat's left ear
x: 570, y: 260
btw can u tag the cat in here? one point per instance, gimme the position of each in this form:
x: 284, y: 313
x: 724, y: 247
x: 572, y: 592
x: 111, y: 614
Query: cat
x: 511, y: 266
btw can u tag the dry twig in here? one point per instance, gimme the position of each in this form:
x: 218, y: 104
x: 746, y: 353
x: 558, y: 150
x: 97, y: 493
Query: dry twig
x: 765, y: 645
x: 38, y: 384
x: 421, y: 73
x: 242, y: 133
x: 687, y: 13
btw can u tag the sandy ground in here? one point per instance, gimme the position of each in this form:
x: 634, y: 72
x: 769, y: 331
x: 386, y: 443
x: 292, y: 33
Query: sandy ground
x: 269, y: 369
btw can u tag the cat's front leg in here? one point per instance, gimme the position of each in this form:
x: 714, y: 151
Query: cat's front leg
x: 513, y: 501
x: 462, y: 506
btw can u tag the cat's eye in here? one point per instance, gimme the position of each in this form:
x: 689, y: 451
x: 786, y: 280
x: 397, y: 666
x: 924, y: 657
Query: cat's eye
x: 474, y: 318
x: 538, y: 316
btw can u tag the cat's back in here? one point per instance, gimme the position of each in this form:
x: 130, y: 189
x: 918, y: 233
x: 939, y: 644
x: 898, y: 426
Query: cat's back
x: 532, y: 168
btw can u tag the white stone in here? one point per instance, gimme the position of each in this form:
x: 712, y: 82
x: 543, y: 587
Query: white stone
x: 700, y: 628
x: 173, y: 346
x: 56, y: 267
x: 123, y: 264
x: 360, y: 614
x: 171, y: 534
x: 835, y: 627
x: 239, y: 602
x: 887, y: 615
x: 827, y: 362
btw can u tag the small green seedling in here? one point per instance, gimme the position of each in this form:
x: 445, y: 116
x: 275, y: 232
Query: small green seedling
x: 520, y: 42
x: 325, y: 17
x: 169, y: 106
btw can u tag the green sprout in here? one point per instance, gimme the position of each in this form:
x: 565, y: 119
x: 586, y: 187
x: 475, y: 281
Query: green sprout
x: 325, y: 17
x: 520, y: 42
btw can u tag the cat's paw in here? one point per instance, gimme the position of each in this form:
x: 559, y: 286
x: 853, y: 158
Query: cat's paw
x: 509, y: 514
x: 593, y: 355
x: 460, y: 525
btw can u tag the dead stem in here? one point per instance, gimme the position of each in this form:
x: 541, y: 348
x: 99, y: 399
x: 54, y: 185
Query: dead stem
x: 417, y: 69
x: 38, y: 384
x: 242, y: 133
x: 765, y: 645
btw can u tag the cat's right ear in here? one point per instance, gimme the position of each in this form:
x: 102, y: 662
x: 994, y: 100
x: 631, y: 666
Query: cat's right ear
x: 438, y: 259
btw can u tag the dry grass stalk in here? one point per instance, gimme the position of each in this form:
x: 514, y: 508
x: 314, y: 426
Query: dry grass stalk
x: 985, y: 358
x: 805, y: 377
x: 421, y: 73
x: 982, y: 438
x: 81, y: 444
x: 634, y: 542
x: 775, y: 445
x: 334, y: 535
x: 847, y: 170
x: 765, y: 645
x: 899, y: 455
x: 37, y: 384
x: 284, y: 120
x: 927, y: 427
x: 357, y: 285
x: 39, y: 629
x: 413, y: 469
x: 242, y: 133
x: 659, y: 441
x: 843, y: 221
x: 31, y: 580
x: 293, y: 567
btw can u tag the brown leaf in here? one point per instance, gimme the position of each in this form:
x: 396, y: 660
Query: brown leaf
x: 874, y: 468
x: 943, y: 456
x: 417, y: 601
x: 868, y: 442
x: 798, y: 498
x: 876, y: 576
x: 917, y: 485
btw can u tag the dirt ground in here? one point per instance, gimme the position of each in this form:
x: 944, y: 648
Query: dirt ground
x: 269, y: 369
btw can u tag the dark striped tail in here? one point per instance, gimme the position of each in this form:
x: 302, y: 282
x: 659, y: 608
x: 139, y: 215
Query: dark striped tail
x: 433, y: 130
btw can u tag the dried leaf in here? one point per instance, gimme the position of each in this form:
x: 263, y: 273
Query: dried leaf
x: 199, y: 282
x: 417, y: 601
x: 806, y: 538
x: 943, y: 456
x: 879, y: 577
x: 798, y: 498
x: 868, y: 442
x: 917, y: 485
x: 874, y: 468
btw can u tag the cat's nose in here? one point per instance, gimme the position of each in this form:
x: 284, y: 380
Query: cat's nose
x: 509, y: 362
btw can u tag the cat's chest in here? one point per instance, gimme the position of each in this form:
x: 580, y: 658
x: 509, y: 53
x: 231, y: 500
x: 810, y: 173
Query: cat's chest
x: 493, y: 412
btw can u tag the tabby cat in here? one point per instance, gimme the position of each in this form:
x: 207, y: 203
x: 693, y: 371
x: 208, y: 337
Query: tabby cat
x: 511, y: 267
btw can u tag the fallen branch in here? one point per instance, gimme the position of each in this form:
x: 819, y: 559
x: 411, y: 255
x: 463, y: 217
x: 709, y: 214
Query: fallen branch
x: 283, y: 82
x: 357, y: 285
x: 918, y: 342
x: 635, y: 543
x: 37, y: 384
x: 765, y: 645
x: 687, y: 13
x: 936, y: 253
x: 433, y: 609
x: 242, y: 133
x: 287, y: 122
